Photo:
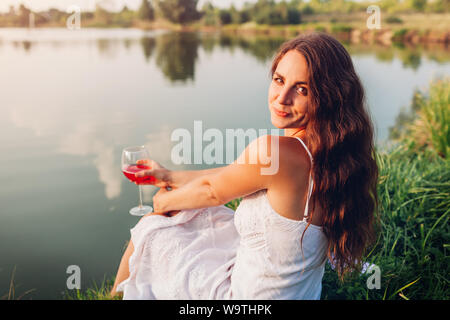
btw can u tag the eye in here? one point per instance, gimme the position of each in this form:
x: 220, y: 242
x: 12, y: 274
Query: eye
x: 278, y: 80
x: 302, y: 91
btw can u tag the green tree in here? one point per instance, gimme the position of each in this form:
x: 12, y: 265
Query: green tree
x: 440, y: 6
x: 24, y: 16
x: 418, y: 4
x: 225, y: 16
x: 179, y: 11
x: 307, y: 9
x: 269, y: 12
x: 245, y: 15
x: 296, y: 3
x: 146, y: 11
x: 102, y: 15
x: 125, y: 17
x: 290, y: 13
x: 209, y: 14
x: 56, y: 15
x: 235, y: 15
x: 320, y: 5
x: 263, y: 12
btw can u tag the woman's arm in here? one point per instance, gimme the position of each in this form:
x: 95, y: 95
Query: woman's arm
x: 240, y: 178
x: 180, y: 178
x: 162, y: 177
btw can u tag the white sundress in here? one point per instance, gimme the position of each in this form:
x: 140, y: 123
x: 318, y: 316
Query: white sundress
x: 216, y: 253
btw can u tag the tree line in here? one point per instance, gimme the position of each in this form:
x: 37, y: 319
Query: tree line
x: 267, y: 12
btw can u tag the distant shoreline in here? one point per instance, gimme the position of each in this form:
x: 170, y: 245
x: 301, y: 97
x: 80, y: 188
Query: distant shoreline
x: 413, y: 29
x: 385, y: 36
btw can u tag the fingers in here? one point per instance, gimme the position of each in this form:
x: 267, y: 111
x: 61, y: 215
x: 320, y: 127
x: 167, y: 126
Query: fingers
x: 155, y: 164
x: 166, y: 214
x: 171, y: 213
x: 144, y: 173
x: 153, y: 176
x: 160, y: 192
x: 147, y: 181
x: 150, y: 162
x: 143, y: 161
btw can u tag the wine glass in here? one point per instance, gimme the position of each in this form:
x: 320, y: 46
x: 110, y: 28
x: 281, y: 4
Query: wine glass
x: 130, y: 166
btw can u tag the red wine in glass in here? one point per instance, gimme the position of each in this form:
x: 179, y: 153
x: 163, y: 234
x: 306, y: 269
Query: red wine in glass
x: 130, y: 157
x: 130, y: 170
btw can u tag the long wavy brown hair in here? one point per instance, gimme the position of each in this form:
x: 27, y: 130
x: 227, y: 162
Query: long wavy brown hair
x: 340, y: 136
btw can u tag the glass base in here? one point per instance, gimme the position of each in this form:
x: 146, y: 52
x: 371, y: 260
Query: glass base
x: 140, y: 211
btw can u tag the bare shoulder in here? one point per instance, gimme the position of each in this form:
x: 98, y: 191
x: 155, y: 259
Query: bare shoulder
x: 286, y: 156
x: 295, y: 163
x: 292, y: 154
x: 287, y: 146
x: 275, y: 163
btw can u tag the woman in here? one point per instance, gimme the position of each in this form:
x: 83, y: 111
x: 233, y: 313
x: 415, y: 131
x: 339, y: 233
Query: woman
x: 320, y: 203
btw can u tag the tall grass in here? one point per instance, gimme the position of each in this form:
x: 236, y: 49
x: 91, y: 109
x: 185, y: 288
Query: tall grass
x: 431, y: 128
x: 96, y: 292
x: 11, y: 295
x: 412, y: 246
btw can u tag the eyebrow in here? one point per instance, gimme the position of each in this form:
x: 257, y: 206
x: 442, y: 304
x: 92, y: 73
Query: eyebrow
x: 298, y: 82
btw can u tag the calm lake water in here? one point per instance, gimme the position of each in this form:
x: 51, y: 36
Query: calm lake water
x: 72, y: 100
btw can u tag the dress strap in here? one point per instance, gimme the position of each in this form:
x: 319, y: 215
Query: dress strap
x: 305, y: 214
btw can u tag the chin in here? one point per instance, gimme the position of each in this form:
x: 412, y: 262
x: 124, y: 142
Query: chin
x: 278, y: 123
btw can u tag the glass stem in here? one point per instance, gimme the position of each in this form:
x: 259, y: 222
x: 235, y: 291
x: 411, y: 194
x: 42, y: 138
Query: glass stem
x: 140, y: 196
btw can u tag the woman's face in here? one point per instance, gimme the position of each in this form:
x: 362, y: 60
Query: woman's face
x: 288, y: 92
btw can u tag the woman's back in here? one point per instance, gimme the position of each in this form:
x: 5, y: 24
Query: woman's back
x: 271, y: 261
x: 292, y: 185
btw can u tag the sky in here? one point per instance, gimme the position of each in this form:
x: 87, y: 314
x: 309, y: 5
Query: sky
x: 40, y: 5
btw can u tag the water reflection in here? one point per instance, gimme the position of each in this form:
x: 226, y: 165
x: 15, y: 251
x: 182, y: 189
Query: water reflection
x: 79, y: 135
x: 411, y: 59
x: 26, y: 45
x: 208, y: 42
x: 260, y: 47
x: 177, y: 54
x: 411, y: 56
x: 87, y: 140
x: 406, y: 116
x: 98, y: 136
x: 108, y: 48
x: 148, y: 44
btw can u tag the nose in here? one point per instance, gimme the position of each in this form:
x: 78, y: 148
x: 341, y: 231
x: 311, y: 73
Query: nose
x: 284, y: 97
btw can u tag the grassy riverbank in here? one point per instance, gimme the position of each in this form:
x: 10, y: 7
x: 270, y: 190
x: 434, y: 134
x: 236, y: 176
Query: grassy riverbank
x: 412, y: 248
x: 410, y: 28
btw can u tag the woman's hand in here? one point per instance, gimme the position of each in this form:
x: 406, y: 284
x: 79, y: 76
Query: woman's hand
x: 157, y: 175
x: 159, y: 204
x: 158, y: 200
x: 166, y: 214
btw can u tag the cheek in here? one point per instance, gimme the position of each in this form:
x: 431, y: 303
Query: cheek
x: 272, y: 93
x: 301, y: 104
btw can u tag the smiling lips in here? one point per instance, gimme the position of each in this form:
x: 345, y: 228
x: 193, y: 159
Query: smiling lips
x: 280, y: 113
